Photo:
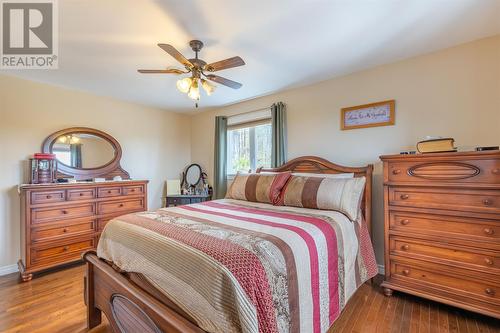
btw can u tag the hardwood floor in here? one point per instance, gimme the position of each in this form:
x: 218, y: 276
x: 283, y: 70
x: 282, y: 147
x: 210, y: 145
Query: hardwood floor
x: 53, y: 303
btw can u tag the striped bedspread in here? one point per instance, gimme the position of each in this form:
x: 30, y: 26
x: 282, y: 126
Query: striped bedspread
x: 237, y: 266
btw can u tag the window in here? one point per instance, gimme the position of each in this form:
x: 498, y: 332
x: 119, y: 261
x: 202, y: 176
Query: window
x: 249, y: 147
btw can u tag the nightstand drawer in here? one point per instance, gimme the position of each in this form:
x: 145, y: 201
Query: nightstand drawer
x: 178, y: 201
x: 446, y: 198
x: 488, y: 261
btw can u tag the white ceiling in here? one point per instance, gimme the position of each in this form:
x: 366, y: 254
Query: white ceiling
x: 285, y: 43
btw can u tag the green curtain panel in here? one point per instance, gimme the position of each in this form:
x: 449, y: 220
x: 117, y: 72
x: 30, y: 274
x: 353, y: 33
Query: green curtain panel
x: 220, y: 157
x: 76, y: 155
x: 278, y: 120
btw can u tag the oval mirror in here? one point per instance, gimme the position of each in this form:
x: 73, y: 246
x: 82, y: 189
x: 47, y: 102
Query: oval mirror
x: 193, y: 174
x: 82, y: 150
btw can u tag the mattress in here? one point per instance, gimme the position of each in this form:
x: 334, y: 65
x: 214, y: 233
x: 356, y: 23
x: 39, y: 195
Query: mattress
x: 238, y: 266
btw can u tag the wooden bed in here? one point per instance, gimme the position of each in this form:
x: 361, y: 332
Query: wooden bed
x: 130, y: 308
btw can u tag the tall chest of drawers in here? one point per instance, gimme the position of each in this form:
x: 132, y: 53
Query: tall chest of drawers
x: 60, y: 221
x: 442, y: 228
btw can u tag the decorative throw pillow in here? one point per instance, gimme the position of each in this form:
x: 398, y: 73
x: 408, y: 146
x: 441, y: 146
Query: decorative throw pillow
x: 257, y: 187
x: 340, y: 194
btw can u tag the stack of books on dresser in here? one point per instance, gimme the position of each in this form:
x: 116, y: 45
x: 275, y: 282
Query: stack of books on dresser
x: 436, y: 145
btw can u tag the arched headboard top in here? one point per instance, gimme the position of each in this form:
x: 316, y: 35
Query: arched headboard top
x: 314, y: 164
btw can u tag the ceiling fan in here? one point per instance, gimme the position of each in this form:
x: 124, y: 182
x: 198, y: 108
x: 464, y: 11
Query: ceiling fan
x: 199, y: 69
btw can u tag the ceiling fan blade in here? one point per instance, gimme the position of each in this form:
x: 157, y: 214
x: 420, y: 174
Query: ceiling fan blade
x: 224, y: 81
x: 161, y: 71
x: 176, y: 54
x: 224, y: 64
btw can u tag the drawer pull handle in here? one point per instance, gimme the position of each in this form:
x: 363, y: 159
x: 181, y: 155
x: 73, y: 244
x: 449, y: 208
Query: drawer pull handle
x: 109, y: 192
x: 495, y: 171
x: 65, y: 248
x: 404, y: 196
x: 489, y: 231
x: 120, y: 205
x: 405, y: 247
x: 489, y: 291
x: 132, y: 190
x: 81, y: 194
x: 65, y: 230
x: 406, y: 272
x: 396, y: 172
x: 65, y: 212
x: 487, y: 202
x: 488, y: 261
x: 405, y: 221
x: 49, y: 196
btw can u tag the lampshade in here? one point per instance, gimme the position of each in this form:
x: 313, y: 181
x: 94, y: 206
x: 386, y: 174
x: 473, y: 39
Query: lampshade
x: 184, y: 84
x: 208, y: 87
x: 194, y: 91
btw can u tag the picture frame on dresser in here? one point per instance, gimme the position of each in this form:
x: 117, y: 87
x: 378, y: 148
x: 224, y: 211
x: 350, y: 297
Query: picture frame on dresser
x: 442, y: 228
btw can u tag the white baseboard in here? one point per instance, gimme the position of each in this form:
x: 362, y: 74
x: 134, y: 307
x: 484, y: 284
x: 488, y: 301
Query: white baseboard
x: 8, y: 269
x: 381, y: 269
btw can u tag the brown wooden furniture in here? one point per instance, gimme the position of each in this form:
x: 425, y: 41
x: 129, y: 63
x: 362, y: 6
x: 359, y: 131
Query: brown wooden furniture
x: 127, y: 306
x: 442, y: 228
x: 185, y: 199
x: 60, y: 221
x: 108, y: 170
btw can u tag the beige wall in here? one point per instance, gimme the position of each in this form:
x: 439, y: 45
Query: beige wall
x: 454, y: 92
x: 155, y: 142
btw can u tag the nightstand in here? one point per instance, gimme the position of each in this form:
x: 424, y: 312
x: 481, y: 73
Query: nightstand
x: 185, y: 199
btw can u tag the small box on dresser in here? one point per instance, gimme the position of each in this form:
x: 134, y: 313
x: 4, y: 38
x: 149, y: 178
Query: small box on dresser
x: 442, y: 228
x: 61, y: 221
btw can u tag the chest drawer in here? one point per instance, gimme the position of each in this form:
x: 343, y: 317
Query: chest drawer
x: 132, y: 190
x: 484, y: 232
x: 446, y: 198
x: 81, y: 194
x: 453, y: 282
x: 106, y: 192
x: 40, y: 215
x: 39, y: 197
x: 56, y: 231
x: 67, y: 251
x: 488, y: 261
x: 120, y: 206
x: 465, y: 171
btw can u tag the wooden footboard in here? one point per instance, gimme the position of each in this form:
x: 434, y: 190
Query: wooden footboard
x: 127, y: 307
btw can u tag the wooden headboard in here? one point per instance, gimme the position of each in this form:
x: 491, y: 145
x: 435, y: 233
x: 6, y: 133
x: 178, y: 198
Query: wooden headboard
x: 313, y: 164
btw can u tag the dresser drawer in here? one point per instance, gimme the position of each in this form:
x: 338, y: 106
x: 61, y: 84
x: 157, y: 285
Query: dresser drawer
x: 81, y: 194
x: 101, y: 223
x: 106, y: 192
x: 62, y: 252
x: 132, y: 190
x: 482, y: 231
x: 120, y: 206
x: 446, y: 198
x: 39, y: 197
x: 55, y: 231
x: 40, y: 215
x: 464, y: 171
x: 488, y: 261
x: 444, y: 280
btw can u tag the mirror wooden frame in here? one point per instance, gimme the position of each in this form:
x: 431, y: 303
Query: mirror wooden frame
x: 184, y: 175
x: 108, y: 170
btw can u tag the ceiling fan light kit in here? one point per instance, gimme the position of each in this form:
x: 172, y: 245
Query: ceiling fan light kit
x: 197, y: 67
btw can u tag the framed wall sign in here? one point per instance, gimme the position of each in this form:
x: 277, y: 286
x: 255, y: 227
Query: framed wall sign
x: 368, y: 115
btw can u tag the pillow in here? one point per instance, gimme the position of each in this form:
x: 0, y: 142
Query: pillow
x: 339, y: 194
x: 257, y: 187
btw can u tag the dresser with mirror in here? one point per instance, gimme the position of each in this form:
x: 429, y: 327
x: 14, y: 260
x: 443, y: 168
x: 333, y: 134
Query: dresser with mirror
x: 63, y: 219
